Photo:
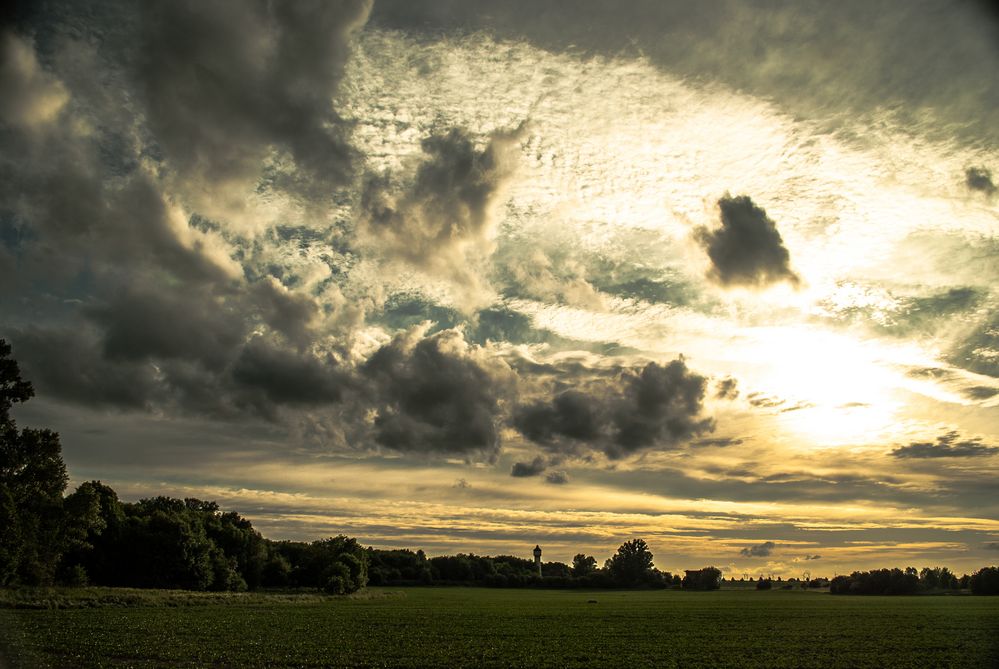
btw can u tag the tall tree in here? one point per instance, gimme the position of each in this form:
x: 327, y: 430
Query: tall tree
x: 632, y: 564
x: 32, y: 480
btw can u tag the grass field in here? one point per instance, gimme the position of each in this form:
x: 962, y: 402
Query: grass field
x: 421, y: 627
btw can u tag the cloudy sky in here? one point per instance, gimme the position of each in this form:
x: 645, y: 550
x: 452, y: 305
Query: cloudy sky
x: 471, y: 275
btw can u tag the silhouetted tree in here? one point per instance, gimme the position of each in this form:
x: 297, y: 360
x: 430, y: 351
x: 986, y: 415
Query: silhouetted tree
x: 397, y: 567
x: 32, y: 480
x: 583, y: 565
x: 876, y: 582
x: 985, y: 581
x: 632, y: 564
x: 337, y: 565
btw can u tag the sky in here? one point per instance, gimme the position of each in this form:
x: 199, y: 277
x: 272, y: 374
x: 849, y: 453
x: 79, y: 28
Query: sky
x: 471, y: 276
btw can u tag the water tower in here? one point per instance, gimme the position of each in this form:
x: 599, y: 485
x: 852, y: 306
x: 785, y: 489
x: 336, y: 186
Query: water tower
x: 537, y: 558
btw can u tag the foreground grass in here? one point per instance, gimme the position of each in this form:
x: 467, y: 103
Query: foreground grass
x: 422, y: 627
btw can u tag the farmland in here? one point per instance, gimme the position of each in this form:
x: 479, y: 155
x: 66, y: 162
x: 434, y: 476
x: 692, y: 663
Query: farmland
x: 483, y: 627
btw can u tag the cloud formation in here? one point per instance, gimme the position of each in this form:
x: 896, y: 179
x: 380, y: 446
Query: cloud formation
x: 759, y: 550
x: 436, y: 395
x: 532, y: 468
x: 227, y: 83
x: 285, y: 377
x: 659, y: 406
x: 979, y: 179
x: 32, y: 97
x: 443, y: 223
x: 727, y: 388
x: 948, y: 445
x: 816, y: 60
x: 747, y: 250
x: 557, y: 478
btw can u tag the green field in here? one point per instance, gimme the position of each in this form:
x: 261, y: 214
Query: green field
x: 421, y: 627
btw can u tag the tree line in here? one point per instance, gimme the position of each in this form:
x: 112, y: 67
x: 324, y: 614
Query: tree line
x: 90, y: 536
x: 909, y: 581
x: 630, y: 567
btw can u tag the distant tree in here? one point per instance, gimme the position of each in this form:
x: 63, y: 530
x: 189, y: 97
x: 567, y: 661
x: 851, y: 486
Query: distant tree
x: 876, y: 582
x: 556, y: 570
x: 583, y: 565
x: 398, y: 567
x: 764, y: 584
x: 164, y: 546
x: 99, y: 543
x: 276, y: 572
x: 985, y: 581
x: 337, y: 565
x: 632, y: 564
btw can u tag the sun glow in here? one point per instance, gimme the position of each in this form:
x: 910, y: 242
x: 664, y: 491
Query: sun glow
x: 829, y: 387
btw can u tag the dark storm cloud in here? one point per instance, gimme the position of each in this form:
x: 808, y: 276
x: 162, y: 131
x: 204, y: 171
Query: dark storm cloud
x: 293, y: 314
x: 286, y: 377
x: 557, y: 478
x: 747, y: 250
x: 143, y: 324
x: 833, y: 61
x: 759, y: 550
x: 979, y: 179
x: 525, y: 469
x: 148, y: 308
x: 663, y: 406
x: 227, y: 81
x: 446, y: 212
x: 948, y: 445
x: 435, y: 396
x: 658, y: 406
x: 67, y: 363
x: 570, y: 414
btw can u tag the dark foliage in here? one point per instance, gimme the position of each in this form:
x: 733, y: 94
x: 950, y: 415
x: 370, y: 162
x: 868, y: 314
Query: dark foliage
x: 398, y: 567
x: 583, y: 565
x: 877, y: 582
x: 32, y: 480
x: 898, y: 582
x: 985, y: 581
x: 708, y: 578
x: 632, y: 564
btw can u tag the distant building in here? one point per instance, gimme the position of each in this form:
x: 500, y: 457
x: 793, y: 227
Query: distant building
x: 537, y: 558
x: 708, y: 578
